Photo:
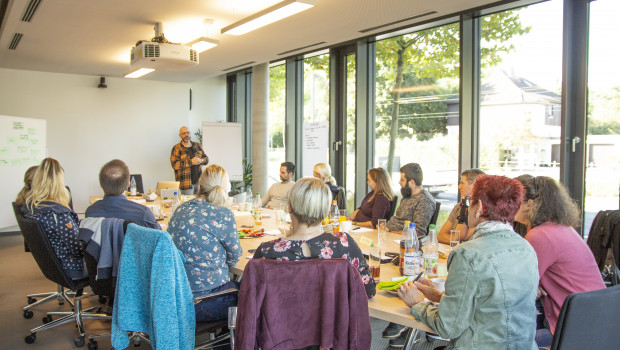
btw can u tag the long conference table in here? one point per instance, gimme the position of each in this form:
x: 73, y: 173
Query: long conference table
x: 384, y: 305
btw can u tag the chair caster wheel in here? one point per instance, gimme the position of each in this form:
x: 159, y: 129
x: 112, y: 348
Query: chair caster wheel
x: 79, y: 342
x: 92, y: 345
x: 102, y: 299
x: 28, y: 314
x: 47, y: 319
x: 31, y: 300
x: 31, y: 338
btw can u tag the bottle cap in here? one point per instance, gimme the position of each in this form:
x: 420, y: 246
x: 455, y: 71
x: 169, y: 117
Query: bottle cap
x: 334, y: 201
x: 431, y: 227
x: 407, y: 222
x: 412, y: 225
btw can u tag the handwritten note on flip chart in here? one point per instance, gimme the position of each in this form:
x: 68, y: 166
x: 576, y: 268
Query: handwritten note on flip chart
x: 315, y: 145
x: 22, y: 145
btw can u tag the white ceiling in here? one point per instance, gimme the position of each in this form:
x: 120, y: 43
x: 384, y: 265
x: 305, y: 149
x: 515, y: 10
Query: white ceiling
x: 95, y: 37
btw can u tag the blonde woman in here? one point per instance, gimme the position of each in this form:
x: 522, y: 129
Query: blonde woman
x: 206, y: 233
x: 323, y: 172
x: 377, y: 204
x: 308, y: 204
x: 48, y: 203
x: 28, y: 176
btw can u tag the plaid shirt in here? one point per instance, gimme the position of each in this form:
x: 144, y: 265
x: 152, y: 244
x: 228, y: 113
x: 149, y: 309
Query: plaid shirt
x: 182, y: 163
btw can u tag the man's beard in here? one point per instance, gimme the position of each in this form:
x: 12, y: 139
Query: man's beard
x: 406, y: 191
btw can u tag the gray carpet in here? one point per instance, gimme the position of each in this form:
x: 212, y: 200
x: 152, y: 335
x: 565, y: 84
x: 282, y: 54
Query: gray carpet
x: 21, y: 276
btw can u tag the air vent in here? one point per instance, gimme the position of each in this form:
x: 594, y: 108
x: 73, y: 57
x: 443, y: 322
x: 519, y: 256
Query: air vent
x: 151, y: 50
x: 32, y: 7
x: 16, y: 38
x: 238, y: 66
x: 399, y: 21
x: 300, y: 48
x: 193, y: 55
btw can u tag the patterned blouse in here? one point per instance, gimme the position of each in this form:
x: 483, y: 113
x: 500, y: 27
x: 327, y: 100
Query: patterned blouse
x: 207, y: 236
x: 325, y: 246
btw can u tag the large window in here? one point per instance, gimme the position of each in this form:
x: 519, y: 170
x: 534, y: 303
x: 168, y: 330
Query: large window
x: 603, y: 123
x: 316, y: 88
x: 417, y: 108
x: 520, y: 94
x: 277, y: 108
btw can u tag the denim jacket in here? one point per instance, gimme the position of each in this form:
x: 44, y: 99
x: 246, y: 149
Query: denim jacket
x: 490, y: 293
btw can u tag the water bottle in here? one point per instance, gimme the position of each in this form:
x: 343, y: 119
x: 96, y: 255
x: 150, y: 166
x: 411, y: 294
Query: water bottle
x: 132, y: 187
x: 431, y: 254
x: 403, y: 238
x: 258, y: 213
x: 334, y: 216
x: 175, y: 202
x: 411, y: 263
x: 248, y: 199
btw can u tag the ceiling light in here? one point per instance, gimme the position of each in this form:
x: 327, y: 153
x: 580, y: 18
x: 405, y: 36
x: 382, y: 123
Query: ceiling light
x: 269, y: 15
x: 137, y: 73
x: 202, y: 44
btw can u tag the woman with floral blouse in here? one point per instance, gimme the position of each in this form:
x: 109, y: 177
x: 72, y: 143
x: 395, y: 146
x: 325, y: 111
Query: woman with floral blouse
x: 206, y: 233
x: 309, y: 201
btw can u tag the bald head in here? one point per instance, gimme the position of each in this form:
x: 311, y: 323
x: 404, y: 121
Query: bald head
x: 184, y: 134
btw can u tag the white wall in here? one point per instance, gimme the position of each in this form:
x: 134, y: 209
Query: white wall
x: 133, y: 120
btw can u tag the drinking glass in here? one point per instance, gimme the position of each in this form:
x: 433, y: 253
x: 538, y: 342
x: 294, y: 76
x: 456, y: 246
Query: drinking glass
x: 455, y: 238
x: 381, y: 231
x: 374, y: 262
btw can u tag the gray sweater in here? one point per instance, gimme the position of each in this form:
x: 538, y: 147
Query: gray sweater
x: 418, y: 208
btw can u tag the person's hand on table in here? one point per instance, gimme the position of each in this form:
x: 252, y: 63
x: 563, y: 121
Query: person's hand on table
x: 410, y: 294
x: 426, y: 287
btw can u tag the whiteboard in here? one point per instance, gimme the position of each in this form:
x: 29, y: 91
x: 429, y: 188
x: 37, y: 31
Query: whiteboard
x: 22, y: 145
x: 222, y: 144
x: 315, y: 145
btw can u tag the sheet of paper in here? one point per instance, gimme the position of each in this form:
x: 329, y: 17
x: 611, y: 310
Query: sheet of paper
x: 359, y: 229
x: 273, y: 232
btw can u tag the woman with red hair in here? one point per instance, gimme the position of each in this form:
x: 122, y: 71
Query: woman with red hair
x: 489, y: 295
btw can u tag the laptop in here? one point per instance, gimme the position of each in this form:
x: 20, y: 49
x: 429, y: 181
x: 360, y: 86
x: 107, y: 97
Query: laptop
x: 166, y: 185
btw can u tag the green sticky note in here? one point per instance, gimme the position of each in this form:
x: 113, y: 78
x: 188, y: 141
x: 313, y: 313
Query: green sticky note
x: 22, y: 149
x: 18, y: 125
x: 24, y: 137
x: 35, y: 151
x: 5, y: 151
x: 13, y: 140
x: 34, y: 141
x: 16, y: 162
x: 32, y: 131
x: 4, y: 162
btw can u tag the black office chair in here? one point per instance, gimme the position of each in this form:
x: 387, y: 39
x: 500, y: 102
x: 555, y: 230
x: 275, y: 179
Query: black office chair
x: 341, y: 198
x: 434, y: 217
x: 50, y: 265
x: 393, y: 205
x: 60, y: 294
x: 589, y: 320
x: 139, y: 186
x: 604, y: 242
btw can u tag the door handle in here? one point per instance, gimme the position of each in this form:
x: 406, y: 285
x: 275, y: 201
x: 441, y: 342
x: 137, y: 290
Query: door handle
x: 336, y: 145
x: 574, y: 142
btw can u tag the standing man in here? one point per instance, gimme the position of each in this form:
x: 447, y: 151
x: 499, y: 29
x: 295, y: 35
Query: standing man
x: 278, y: 192
x: 186, y: 158
x: 417, y: 205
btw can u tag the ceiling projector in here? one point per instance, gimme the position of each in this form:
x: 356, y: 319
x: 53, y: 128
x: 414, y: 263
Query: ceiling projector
x: 160, y: 54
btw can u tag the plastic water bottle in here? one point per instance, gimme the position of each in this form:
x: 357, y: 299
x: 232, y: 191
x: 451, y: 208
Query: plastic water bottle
x: 257, y: 211
x: 175, y: 202
x: 403, y: 238
x: 431, y: 254
x: 334, y: 216
x: 411, y: 263
x: 132, y: 187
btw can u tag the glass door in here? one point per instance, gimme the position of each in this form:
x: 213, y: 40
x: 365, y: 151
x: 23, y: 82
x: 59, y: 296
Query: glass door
x: 603, y: 123
x: 349, y: 142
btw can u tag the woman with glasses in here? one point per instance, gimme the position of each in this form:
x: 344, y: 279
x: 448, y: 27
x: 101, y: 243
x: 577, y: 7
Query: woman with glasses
x: 565, y: 263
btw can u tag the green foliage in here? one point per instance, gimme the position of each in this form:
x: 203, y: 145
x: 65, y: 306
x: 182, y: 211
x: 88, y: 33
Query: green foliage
x: 198, y: 134
x: 600, y: 127
x: 247, y: 177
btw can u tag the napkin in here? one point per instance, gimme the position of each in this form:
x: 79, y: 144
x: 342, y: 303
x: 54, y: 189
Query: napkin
x: 272, y: 232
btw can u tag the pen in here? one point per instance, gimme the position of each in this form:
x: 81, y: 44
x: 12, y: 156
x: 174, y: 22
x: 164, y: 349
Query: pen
x: 418, y: 276
x: 353, y: 229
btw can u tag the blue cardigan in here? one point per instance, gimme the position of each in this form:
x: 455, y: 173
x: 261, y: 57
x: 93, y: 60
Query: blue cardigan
x: 153, y: 295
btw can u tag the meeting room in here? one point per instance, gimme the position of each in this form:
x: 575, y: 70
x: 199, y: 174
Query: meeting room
x: 309, y: 174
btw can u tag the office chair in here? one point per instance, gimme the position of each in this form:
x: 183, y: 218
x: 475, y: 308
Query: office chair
x: 393, y: 205
x: 435, y: 216
x: 328, y: 295
x: 61, y: 294
x: 341, y: 198
x: 604, y: 242
x: 50, y: 265
x: 589, y: 320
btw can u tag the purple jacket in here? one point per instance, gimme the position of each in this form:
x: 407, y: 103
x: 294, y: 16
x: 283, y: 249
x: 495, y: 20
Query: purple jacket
x: 294, y: 304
